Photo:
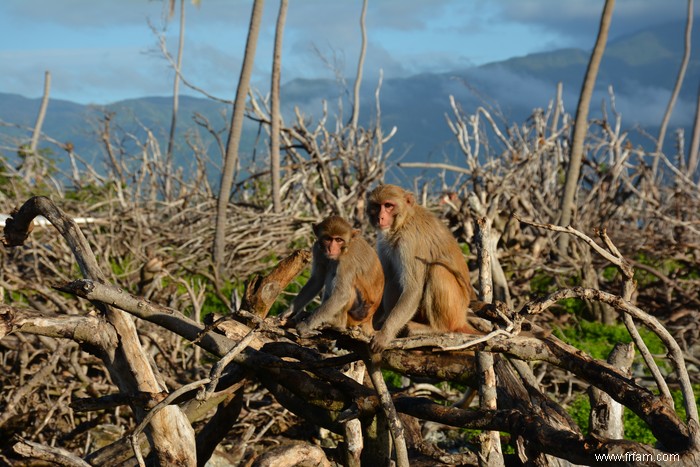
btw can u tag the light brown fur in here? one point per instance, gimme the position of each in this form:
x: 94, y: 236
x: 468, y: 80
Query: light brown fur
x: 348, y: 270
x: 427, y: 279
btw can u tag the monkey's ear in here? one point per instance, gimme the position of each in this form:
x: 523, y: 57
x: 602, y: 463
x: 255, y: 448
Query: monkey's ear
x: 316, y: 228
x: 410, y: 200
x: 354, y: 233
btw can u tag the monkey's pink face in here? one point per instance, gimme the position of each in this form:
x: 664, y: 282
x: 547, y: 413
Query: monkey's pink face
x: 385, y: 215
x: 333, y: 247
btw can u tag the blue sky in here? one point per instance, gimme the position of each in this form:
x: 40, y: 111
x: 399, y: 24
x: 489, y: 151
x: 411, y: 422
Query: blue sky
x: 101, y: 51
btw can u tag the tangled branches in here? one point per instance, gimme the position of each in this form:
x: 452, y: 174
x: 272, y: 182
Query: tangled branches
x: 310, y: 383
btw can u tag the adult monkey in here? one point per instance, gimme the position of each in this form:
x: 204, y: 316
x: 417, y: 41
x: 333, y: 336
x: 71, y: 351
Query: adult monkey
x: 427, y: 279
x: 347, y: 268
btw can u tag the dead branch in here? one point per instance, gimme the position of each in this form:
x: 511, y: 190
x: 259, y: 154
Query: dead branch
x: 172, y: 435
x: 261, y: 293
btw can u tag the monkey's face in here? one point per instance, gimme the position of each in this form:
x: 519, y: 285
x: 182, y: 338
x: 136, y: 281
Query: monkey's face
x: 382, y: 214
x: 333, y: 235
x: 333, y: 246
x: 385, y: 205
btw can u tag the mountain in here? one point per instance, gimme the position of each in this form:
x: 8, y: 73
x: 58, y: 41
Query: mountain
x: 649, y: 58
x: 81, y: 125
x: 640, y: 67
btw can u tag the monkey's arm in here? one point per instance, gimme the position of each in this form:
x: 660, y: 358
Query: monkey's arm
x: 331, y: 310
x: 310, y: 290
x: 307, y: 293
x: 405, y: 308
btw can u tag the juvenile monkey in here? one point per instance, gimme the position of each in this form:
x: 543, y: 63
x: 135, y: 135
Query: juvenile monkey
x: 348, y: 270
x: 427, y: 278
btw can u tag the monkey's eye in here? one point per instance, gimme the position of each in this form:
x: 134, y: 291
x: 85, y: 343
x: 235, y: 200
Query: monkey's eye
x: 329, y: 239
x: 388, y: 205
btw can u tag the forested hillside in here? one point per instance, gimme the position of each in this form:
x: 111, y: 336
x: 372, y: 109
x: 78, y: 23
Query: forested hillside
x: 636, y: 66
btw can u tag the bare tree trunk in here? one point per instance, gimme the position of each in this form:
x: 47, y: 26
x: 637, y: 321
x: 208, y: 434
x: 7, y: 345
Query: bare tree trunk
x: 235, y: 136
x: 354, y: 441
x: 606, y: 413
x: 276, y: 117
x: 694, y: 142
x: 176, y: 98
x: 42, y: 113
x: 581, y: 123
x: 360, y: 65
x: 557, y: 108
x: 676, y: 88
x: 171, y: 434
x: 491, y: 452
x: 387, y: 404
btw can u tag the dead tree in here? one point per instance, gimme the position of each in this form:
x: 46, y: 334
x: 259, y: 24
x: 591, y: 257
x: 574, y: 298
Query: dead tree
x: 309, y: 382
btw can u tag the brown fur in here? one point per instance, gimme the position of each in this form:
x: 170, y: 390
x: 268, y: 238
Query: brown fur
x: 352, y: 283
x: 427, y: 278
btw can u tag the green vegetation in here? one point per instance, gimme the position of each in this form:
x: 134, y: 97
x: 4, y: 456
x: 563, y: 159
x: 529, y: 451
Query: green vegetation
x: 393, y: 379
x: 213, y: 303
x: 92, y: 193
x: 598, y: 339
x: 542, y: 283
x: 635, y: 428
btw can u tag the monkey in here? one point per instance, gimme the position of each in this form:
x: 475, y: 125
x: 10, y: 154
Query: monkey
x: 349, y: 271
x: 427, y: 285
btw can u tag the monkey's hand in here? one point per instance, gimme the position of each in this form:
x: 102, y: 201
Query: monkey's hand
x: 379, y: 342
x: 305, y: 330
x: 286, y: 317
x: 286, y: 314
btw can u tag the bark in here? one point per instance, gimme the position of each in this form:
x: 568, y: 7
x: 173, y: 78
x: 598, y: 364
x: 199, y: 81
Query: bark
x: 42, y: 113
x: 606, y: 414
x: 360, y: 66
x: 51, y: 455
x: 261, y: 293
x: 275, y: 114
x: 581, y: 124
x: 176, y: 94
x: 292, y: 455
x: 217, y: 427
x: 558, y: 104
x: 171, y: 434
x: 234, y: 139
x: 662, y: 420
x: 395, y: 426
x: 557, y: 442
x: 676, y: 88
x: 354, y: 442
x: 307, y: 385
x: 694, y: 150
x: 491, y: 452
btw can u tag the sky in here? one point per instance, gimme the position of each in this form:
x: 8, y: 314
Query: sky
x: 102, y: 51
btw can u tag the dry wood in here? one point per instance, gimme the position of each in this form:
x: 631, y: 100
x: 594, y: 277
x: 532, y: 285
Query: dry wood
x: 146, y: 216
x: 262, y: 292
x: 171, y: 434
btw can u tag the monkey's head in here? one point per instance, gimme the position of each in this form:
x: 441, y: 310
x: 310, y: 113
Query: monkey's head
x: 334, y: 234
x: 388, y: 206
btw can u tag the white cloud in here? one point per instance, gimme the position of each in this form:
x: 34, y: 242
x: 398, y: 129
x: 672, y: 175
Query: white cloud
x: 577, y: 18
x: 96, y: 49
